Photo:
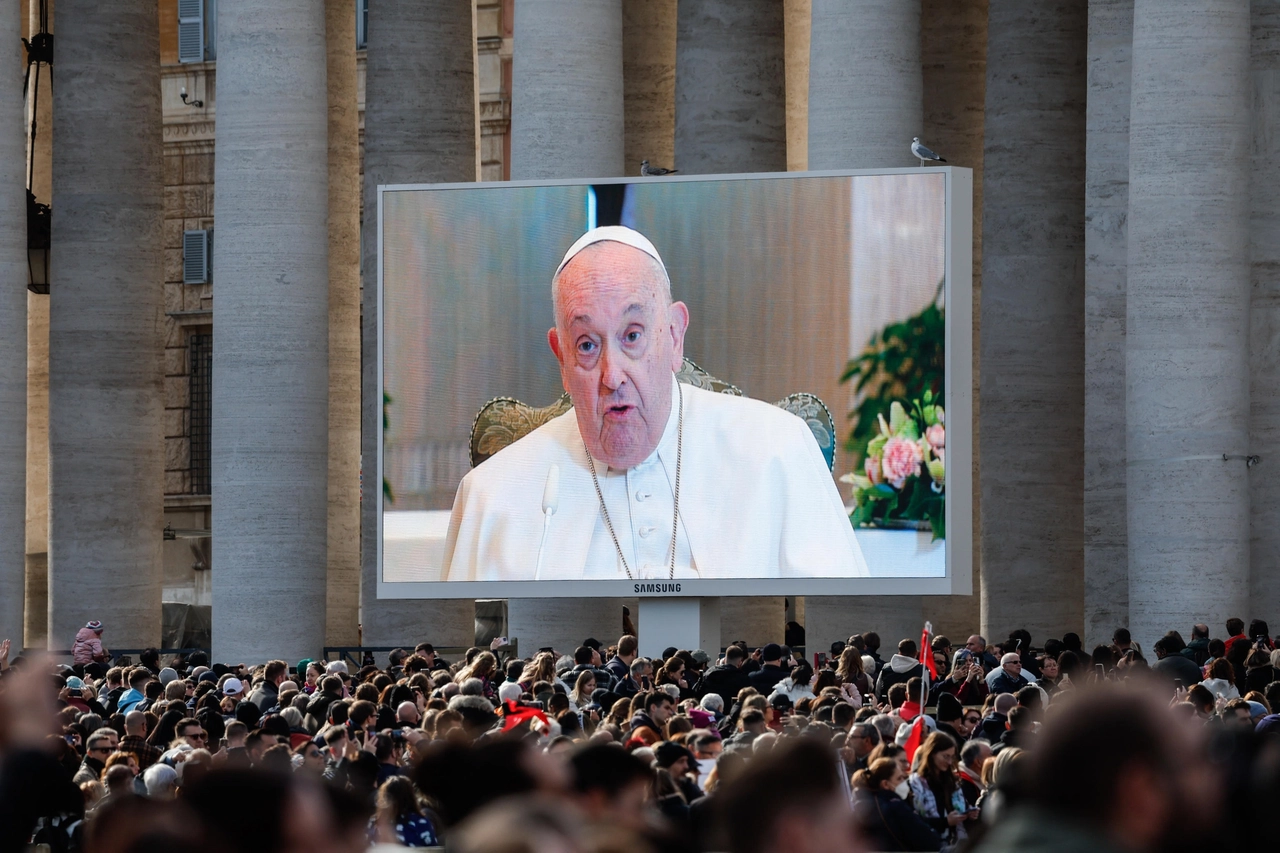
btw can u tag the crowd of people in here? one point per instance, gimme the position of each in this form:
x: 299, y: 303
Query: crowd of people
x: 985, y: 746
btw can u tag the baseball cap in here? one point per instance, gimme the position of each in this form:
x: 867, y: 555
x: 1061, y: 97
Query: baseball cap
x: 780, y: 702
x: 232, y: 687
x: 75, y: 683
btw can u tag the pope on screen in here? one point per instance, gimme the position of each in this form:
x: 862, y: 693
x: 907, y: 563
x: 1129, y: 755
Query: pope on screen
x: 645, y: 477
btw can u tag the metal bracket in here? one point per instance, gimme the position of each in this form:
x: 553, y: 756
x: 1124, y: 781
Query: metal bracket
x: 40, y: 48
x: 1249, y: 460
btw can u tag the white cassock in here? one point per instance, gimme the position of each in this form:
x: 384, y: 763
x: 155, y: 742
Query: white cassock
x: 756, y: 501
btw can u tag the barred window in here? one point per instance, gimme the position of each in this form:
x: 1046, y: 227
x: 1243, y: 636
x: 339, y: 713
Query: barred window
x: 201, y: 410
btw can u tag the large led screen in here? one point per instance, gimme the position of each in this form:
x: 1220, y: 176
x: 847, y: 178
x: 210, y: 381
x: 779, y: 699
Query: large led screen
x: 831, y: 306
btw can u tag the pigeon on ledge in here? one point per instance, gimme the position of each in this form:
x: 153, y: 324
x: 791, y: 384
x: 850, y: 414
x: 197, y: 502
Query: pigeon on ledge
x: 654, y: 171
x: 923, y: 153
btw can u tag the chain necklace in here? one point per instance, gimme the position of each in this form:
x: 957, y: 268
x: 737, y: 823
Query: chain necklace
x: 675, y: 515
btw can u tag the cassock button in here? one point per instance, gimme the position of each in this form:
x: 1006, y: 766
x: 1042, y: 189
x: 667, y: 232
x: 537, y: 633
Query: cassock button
x: 645, y: 531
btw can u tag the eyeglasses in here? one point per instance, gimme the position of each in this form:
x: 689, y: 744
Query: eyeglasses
x: 973, y: 720
x: 102, y: 749
x: 197, y: 735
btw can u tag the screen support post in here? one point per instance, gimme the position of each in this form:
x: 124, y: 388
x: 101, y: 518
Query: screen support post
x: 686, y: 623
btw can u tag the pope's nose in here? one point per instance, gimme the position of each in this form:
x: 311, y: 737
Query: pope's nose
x: 612, y: 376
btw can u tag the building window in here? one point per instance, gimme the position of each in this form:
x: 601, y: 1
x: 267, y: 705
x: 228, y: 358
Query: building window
x: 201, y: 411
x: 362, y: 24
x: 197, y: 30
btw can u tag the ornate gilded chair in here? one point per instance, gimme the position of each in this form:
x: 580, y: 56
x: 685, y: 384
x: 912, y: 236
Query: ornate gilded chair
x: 503, y: 420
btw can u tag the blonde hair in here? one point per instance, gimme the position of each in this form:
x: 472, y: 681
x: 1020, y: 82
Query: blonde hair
x: 996, y: 771
x: 482, y: 666
x: 541, y: 668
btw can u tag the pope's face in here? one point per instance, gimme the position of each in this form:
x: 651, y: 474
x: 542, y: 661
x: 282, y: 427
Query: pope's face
x: 618, y: 343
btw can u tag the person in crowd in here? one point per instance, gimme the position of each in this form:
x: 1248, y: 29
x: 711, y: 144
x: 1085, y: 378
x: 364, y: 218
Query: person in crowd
x: 584, y: 686
x: 88, y: 647
x: 789, y: 800
x: 138, y: 678
x: 1258, y: 669
x: 1109, y: 774
x: 1009, y: 678
x: 771, y: 671
x: 135, y: 740
x: 619, y: 666
x: 97, y: 746
x: 728, y: 678
x: 935, y: 789
x: 796, y: 685
x: 977, y: 646
x: 884, y: 817
x: 974, y: 756
x: 1221, y: 680
x: 1019, y: 729
x: 965, y: 681
x: 649, y: 724
x: 1050, y: 674
x: 855, y: 684
x: 1197, y: 651
x: 1235, y: 633
x: 266, y: 693
x: 994, y: 724
x: 1122, y: 641
x: 902, y: 667
x: 1172, y: 664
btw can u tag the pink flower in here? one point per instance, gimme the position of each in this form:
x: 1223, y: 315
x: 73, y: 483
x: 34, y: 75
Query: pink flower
x: 872, y: 468
x: 936, y: 435
x: 902, y: 459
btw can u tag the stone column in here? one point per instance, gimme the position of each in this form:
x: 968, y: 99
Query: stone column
x: 567, y: 114
x: 1264, y: 336
x: 954, y: 53
x: 1032, y: 427
x: 649, y: 83
x: 271, y: 343
x: 866, y: 95
x: 36, y: 621
x: 731, y: 116
x: 342, y: 586
x: 797, y: 16
x: 420, y: 127
x: 1106, y: 552
x: 106, y: 441
x: 567, y: 122
x: 13, y: 335
x: 1186, y: 343
x: 866, y: 101
x: 730, y: 86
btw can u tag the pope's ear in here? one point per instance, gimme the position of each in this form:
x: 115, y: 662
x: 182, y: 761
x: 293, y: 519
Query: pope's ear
x: 553, y: 339
x: 679, y: 325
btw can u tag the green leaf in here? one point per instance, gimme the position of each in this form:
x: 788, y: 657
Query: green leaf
x: 897, y: 418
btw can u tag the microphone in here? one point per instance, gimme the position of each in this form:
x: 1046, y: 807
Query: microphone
x: 550, y: 502
x: 551, y: 492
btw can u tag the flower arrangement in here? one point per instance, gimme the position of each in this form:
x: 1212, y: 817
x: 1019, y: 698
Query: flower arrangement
x: 904, y: 471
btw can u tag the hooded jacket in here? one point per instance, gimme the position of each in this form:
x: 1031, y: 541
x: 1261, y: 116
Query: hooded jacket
x: 899, y: 670
x: 795, y: 692
x: 87, y: 647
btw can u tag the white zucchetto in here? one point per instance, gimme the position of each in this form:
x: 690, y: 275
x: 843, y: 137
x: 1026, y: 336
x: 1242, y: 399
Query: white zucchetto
x: 616, y: 234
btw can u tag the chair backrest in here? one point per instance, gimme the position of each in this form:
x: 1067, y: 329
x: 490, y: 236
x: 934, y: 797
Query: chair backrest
x: 504, y: 420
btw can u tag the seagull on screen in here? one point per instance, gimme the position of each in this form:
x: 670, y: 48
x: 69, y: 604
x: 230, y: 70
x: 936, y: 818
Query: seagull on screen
x: 923, y: 153
x: 654, y: 171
